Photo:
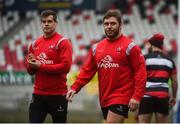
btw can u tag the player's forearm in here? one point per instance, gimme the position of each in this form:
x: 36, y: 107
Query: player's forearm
x: 174, y: 84
x: 139, y: 89
x: 140, y: 78
x: 56, y: 68
x: 174, y: 89
x: 30, y: 70
x: 85, y: 75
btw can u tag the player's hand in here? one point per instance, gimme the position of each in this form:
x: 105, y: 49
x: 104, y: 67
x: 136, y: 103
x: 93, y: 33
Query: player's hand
x: 33, y: 62
x: 31, y: 58
x: 133, y: 105
x: 70, y: 94
x: 172, y: 101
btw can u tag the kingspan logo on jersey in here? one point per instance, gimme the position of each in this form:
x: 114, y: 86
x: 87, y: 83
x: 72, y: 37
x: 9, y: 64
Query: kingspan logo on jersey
x: 43, y: 59
x: 107, y: 62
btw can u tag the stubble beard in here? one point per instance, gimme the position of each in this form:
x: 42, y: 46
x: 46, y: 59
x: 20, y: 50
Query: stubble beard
x: 114, y: 35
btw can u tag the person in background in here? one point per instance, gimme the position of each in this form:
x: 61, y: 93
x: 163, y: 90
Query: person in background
x: 121, y: 71
x: 49, y: 59
x: 160, y: 68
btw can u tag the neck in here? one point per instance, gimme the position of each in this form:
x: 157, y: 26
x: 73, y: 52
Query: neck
x: 46, y: 35
x: 114, y: 38
x: 156, y: 49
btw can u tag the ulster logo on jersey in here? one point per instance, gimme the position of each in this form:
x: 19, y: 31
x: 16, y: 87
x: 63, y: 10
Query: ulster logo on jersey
x: 51, y: 47
x: 118, y: 49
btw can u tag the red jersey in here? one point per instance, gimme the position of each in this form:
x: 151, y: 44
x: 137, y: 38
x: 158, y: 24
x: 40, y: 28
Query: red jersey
x: 121, y: 71
x: 55, y: 56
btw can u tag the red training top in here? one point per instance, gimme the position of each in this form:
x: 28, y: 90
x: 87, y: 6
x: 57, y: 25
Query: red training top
x: 121, y: 71
x: 55, y: 56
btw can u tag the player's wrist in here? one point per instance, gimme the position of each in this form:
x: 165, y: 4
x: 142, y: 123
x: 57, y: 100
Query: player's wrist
x: 73, y: 90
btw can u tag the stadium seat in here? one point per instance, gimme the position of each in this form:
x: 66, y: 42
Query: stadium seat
x: 84, y: 28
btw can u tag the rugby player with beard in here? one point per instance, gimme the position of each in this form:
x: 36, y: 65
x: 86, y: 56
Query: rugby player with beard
x: 121, y: 71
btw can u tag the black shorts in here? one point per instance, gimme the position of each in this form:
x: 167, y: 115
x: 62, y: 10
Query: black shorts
x: 118, y: 109
x: 154, y: 105
x: 41, y: 105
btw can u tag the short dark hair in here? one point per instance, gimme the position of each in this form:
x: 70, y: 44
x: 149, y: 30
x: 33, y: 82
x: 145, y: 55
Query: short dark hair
x: 46, y: 13
x: 113, y: 13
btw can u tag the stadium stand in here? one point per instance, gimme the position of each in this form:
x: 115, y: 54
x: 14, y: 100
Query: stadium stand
x: 85, y: 28
x: 8, y: 21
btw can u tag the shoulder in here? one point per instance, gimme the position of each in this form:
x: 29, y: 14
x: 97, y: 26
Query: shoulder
x: 94, y: 48
x: 165, y: 56
x: 132, y: 46
x: 125, y: 39
x: 63, y: 41
x: 102, y: 41
x: 96, y: 45
x: 99, y: 43
x: 35, y: 42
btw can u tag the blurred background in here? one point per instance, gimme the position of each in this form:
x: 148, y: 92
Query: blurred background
x: 81, y: 21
